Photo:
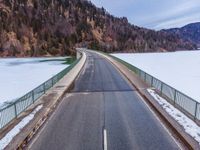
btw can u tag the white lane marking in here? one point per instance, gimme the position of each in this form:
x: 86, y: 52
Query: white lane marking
x: 105, y: 139
x: 160, y: 121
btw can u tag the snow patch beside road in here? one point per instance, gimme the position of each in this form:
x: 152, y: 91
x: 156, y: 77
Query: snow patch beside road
x: 12, y: 133
x: 189, y: 126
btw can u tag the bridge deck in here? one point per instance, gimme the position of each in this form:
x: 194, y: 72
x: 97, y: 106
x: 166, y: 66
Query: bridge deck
x: 103, y: 111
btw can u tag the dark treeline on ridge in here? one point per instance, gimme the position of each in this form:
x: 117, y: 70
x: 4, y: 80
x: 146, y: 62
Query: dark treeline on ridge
x: 56, y: 27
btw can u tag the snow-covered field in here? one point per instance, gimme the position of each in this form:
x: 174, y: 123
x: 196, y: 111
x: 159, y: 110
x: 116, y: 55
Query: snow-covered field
x: 21, y: 75
x: 178, y: 69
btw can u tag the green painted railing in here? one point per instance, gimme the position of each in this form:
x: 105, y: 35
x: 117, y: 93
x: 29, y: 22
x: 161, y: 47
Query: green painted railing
x: 14, y: 109
x: 184, y: 103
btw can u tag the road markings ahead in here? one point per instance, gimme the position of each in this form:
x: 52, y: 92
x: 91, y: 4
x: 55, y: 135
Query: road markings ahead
x: 105, y: 140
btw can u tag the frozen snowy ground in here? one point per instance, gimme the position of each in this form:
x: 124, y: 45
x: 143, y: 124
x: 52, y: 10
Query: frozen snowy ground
x: 11, y: 134
x: 189, y: 126
x: 178, y: 69
x: 21, y: 75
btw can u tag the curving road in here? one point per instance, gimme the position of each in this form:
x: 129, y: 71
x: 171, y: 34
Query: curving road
x: 103, y: 111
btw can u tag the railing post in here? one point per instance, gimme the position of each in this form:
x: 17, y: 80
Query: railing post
x: 195, y: 115
x: 151, y: 81
x: 161, y: 90
x: 33, y: 96
x: 51, y: 82
x: 175, y: 92
x: 15, y: 107
x: 145, y: 76
x: 44, y: 88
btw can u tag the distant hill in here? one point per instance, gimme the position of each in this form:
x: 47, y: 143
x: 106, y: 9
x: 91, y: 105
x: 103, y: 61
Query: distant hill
x: 56, y: 27
x: 190, y: 32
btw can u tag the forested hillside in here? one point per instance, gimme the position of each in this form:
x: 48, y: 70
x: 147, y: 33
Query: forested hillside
x: 56, y: 27
x: 190, y: 32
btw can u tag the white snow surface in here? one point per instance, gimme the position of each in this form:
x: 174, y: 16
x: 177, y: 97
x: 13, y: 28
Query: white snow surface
x: 177, y: 69
x: 18, y: 76
x: 189, y: 126
x: 12, y: 133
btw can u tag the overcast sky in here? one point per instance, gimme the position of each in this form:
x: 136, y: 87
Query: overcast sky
x: 154, y: 14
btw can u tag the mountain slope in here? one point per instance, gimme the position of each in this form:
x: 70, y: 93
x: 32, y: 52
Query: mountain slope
x: 190, y: 32
x: 55, y: 27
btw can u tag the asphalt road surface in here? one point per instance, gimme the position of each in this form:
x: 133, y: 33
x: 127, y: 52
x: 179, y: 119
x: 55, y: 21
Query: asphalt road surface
x: 103, y: 111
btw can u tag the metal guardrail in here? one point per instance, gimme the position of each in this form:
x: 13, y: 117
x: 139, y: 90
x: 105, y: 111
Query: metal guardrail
x: 184, y: 103
x: 13, y: 110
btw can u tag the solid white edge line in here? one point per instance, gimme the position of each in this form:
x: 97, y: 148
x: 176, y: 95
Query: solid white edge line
x: 178, y: 144
x: 105, y: 139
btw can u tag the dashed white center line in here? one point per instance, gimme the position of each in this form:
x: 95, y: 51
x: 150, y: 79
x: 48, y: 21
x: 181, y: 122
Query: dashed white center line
x: 105, y: 140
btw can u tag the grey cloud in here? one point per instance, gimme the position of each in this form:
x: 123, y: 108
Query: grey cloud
x: 155, y: 14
